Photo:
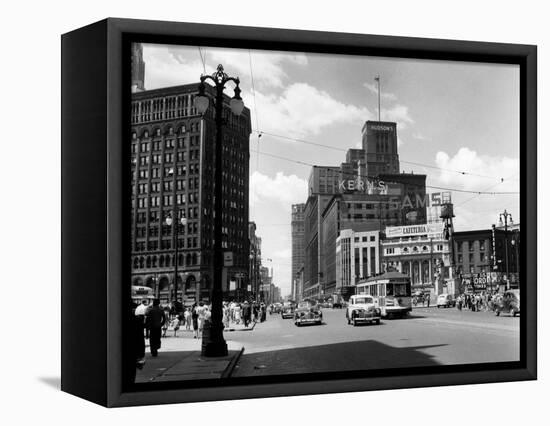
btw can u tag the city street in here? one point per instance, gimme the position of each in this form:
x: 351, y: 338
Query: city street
x: 430, y: 336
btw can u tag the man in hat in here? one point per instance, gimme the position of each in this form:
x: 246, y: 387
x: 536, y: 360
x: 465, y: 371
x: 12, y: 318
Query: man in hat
x: 247, y: 313
x: 155, y: 319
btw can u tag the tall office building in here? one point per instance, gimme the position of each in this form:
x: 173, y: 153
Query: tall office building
x: 380, y: 146
x: 323, y: 180
x: 172, y: 178
x: 137, y: 68
x: 297, y: 234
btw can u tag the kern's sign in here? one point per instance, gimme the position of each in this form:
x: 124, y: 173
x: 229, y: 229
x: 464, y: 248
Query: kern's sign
x: 370, y: 186
x: 430, y: 229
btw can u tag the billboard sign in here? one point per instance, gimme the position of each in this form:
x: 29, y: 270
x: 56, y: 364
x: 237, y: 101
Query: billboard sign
x: 430, y: 229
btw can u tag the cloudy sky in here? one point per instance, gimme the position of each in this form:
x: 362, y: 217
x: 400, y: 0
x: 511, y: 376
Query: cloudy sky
x: 457, y: 122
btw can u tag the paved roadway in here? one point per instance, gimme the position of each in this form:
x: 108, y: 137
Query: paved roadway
x: 430, y: 336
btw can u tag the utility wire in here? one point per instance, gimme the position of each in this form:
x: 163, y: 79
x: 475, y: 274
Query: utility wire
x: 491, y: 187
x: 304, y: 163
x: 345, y: 150
x: 202, y: 60
x: 257, y: 126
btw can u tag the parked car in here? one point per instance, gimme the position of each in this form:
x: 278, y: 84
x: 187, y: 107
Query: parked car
x: 507, y: 303
x: 362, y: 308
x: 446, y: 300
x: 308, y: 312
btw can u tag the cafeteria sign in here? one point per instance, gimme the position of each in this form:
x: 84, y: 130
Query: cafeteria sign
x: 413, y: 230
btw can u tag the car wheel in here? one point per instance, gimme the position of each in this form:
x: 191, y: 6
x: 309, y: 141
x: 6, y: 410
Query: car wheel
x: 354, y: 322
x: 513, y: 313
x: 377, y: 322
x: 497, y: 313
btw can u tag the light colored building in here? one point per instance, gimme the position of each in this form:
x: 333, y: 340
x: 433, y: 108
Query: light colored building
x: 422, y: 253
x: 357, y: 257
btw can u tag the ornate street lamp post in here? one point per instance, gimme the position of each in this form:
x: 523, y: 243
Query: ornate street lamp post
x: 175, y: 240
x: 214, y: 344
x: 507, y: 216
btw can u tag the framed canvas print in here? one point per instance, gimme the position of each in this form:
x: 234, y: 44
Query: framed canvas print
x: 253, y: 212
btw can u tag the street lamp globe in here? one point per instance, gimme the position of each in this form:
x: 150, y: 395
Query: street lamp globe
x: 236, y: 104
x: 201, y: 103
x: 169, y: 220
x: 183, y: 221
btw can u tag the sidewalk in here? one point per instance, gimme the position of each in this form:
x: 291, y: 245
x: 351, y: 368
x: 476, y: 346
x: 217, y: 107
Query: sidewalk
x: 180, y: 358
x: 187, y: 365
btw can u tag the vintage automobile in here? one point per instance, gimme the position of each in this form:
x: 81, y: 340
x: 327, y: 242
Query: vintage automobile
x: 308, y: 312
x: 362, y: 308
x: 446, y: 300
x: 287, y: 310
x: 507, y: 303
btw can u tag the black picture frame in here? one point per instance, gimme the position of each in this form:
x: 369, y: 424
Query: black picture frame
x: 95, y: 250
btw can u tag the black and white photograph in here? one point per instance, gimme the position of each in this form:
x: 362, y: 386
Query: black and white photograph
x: 307, y: 213
x: 275, y: 213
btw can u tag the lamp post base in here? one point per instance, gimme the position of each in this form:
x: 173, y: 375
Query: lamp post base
x: 213, y: 343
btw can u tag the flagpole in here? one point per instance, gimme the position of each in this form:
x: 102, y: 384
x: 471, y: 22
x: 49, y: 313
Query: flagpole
x: 377, y: 78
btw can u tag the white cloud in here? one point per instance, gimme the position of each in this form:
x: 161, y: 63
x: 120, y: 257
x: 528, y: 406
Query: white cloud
x: 267, y: 67
x: 483, y: 171
x: 282, y: 189
x: 373, y: 88
x: 420, y: 137
x: 399, y: 114
x: 303, y: 110
x: 163, y: 70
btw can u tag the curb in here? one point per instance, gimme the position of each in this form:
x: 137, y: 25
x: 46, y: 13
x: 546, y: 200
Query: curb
x: 241, y: 329
x: 231, y: 366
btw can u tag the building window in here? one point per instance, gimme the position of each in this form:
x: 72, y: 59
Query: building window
x: 471, y: 258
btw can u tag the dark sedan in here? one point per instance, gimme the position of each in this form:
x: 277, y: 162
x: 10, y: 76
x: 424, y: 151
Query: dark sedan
x: 308, y: 313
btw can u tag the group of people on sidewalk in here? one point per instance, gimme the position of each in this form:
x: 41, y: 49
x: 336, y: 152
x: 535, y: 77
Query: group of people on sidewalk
x: 153, y: 321
x: 482, y: 301
x: 244, y: 313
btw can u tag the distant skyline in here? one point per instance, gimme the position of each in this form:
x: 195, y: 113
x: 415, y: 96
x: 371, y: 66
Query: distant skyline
x: 452, y: 117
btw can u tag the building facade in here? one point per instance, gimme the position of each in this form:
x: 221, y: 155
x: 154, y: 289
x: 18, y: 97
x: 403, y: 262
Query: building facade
x: 357, y: 257
x: 297, y: 236
x: 484, y: 257
x: 323, y: 180
x: 422, y: 253
x: 380, y: 146
x: 172, y: 171
x: 255, y: 262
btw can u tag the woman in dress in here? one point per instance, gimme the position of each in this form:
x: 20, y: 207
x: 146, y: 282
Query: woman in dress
x: 195, y: 321
x: 237, y: 314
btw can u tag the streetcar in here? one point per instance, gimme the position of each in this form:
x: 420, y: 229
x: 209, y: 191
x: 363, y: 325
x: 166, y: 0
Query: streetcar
x: 140, y: 292
x: 391, y: 292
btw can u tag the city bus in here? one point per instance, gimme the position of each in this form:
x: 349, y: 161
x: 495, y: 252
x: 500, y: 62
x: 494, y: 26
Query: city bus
x: 391, y: 292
